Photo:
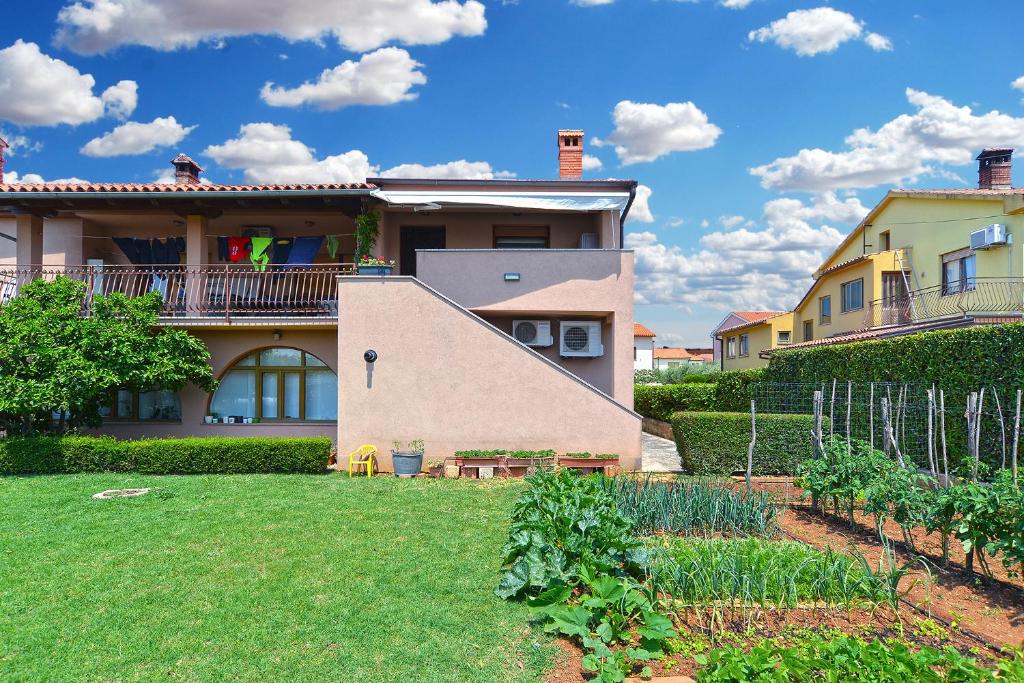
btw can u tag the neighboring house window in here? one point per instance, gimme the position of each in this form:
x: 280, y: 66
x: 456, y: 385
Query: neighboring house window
x: 883, y: 241
x: 144, y: 405
x: 785, y: 336
x: 853, y: 295
x: 744, y: 344
x: 278, y: 384
x: 634, y: 353
x: 959, y: 272
x: 825, y: 310
x: 808, y: 330
x: 673, y: 364
x: 731, y: 347
x: 526, y: 237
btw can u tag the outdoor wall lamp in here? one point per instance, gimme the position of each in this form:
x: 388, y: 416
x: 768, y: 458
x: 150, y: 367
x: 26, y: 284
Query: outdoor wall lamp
x: 370, y: 356
x: 512, y: 277
x: 277, y: 335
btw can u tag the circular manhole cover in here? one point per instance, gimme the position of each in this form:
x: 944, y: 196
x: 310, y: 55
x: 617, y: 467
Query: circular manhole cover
x: 110, y: 494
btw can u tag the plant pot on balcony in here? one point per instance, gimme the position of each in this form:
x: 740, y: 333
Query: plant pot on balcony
x: 407, y: 463
x: 375, y: 270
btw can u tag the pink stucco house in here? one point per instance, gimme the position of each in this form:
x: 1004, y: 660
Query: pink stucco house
x: 507, y: 321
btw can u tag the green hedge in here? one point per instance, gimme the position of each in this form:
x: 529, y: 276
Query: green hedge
x: 716, y: 443
x: 661, y: 400
x: 735, y: 388
x: 210, y: 455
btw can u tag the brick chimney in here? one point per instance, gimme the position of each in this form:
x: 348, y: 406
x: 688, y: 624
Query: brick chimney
x: 995, y: 168
x: 186, y: 171
x: 3, y: 146
x: 570, y: 154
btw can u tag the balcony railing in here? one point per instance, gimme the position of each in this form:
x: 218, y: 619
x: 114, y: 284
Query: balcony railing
x: 976, y: 296
x: 214, y: 291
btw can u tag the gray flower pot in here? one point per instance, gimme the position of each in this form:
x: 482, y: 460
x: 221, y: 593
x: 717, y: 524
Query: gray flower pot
x: 406, y: 464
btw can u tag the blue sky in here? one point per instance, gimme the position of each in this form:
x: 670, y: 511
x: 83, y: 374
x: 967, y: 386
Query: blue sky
x: 738, y: 115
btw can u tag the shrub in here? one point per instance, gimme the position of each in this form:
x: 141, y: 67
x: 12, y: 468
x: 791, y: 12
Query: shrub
x: 716, y: 443
x: 660, y: 401
x: 735, y: 388
x: 209, y: 455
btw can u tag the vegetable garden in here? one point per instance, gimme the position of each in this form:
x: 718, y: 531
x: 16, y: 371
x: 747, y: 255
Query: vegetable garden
x: 696, y: 576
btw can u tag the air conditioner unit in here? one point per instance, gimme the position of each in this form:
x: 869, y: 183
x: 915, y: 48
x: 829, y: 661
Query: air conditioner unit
x: 588, y: 240
x: 990, y: 236
x: 532, y: 332
x: 580, y: 339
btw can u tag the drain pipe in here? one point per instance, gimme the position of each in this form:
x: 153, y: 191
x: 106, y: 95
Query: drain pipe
x: 625, y: 212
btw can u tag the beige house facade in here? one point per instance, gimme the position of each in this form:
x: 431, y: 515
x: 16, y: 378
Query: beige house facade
x: 506, y: 321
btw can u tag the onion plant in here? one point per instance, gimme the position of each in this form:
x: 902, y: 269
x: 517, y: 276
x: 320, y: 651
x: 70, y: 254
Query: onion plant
x: 692, y: 507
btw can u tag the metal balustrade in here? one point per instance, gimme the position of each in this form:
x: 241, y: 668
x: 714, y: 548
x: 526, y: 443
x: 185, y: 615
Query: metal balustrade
x: 212, y: 291
x: 977, y: 296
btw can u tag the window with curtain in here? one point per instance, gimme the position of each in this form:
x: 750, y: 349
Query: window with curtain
x: 143, y: 405
x: 744, y: 344
x: 278, y: 383
x: 959, y: 272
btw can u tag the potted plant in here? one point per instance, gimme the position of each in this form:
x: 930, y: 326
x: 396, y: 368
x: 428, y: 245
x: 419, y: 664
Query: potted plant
x: 407, y: 461
x: 375, y: 265
x: 435, y: 468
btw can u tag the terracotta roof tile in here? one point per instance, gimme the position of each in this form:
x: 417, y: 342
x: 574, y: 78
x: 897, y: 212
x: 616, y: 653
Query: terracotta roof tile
x: 673, y: 354
x: 171, y: 188
x: 641, y: 331
x: 752, y: 316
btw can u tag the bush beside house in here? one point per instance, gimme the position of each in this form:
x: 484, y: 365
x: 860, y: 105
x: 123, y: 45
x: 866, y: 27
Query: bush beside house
x: 209, y: 455
x: 659, y: 401
x: 716, y: 443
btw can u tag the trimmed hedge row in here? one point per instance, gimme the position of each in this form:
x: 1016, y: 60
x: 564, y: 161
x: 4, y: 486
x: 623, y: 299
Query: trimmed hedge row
x: 716, y: 443
x: 661, y: 400
x: 199, y: 455
x: 728, y: 391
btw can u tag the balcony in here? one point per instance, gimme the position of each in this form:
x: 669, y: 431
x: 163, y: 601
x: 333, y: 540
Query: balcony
x: 230, y: 293
x: 978, y: 296
x: 571, y: 280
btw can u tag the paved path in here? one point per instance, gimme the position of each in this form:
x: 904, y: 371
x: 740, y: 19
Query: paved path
x: 659, y: 455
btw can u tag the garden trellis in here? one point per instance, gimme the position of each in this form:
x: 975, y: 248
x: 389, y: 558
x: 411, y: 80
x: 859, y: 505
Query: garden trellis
x: 986, y: 429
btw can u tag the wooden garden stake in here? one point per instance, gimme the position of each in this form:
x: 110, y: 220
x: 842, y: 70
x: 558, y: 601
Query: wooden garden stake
x: 871, y: 415
x: 1016, y: 432
x: 887, y: 426
x: 753, y: 440
x: 972, y: 444
x: 819, y: 405
x: 849, y: 399
x: 1002, y: 424
x: 832, y: 411
x: 942, y: 431
x: 931, y: 439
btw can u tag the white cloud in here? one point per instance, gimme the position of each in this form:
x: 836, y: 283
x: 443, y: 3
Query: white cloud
x: 97, y: 26
x: 878, y: 42
x: 137, y: 138
x: 745, y: 267
x: 469, y: 170
x: 121, y: 99
x: 591, y: 3
x: 645, y: 132
x: 19, y: 144
x: 705, y: 223
x: 812, y: 31
x: 675, y: 222
x: 1018, y: 83
x: 382, y: 77
x: 735, y: 4
x: 12, y: 178
x: 591, y: 163
x: 729, y: 222
x: 902, y: 149
x: 640, y: 212
x: 267, y: 153
x: 38, y: 90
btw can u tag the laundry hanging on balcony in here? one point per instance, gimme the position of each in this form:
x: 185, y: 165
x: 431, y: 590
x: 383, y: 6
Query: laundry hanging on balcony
x: 304, y: 250
x: 239, y: 248
x: 260, y: 255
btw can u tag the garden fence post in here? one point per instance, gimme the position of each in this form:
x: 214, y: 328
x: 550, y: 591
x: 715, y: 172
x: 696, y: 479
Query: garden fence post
x: 942, y: 432
x: 931, y: 433
x: 972, y: 406
x: 890, y: 436
x: 832, y: 411
x: 750, y: 449
x: 849, y: 401
x: 871, y: 415
x: 819, y: 401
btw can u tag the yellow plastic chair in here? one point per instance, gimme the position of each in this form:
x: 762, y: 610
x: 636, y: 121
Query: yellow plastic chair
x: 363, y: 455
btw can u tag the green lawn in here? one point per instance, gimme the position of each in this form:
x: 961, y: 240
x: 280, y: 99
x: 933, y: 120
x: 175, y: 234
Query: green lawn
x: 264, y: 577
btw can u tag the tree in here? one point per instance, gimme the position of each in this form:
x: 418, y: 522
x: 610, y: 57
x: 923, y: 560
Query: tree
x: 55, y: 359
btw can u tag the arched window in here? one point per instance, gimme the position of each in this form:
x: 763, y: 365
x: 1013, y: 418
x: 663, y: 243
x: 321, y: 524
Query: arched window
x: 278, y: 384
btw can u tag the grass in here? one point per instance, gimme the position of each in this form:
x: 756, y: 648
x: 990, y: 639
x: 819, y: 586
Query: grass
x: 758, y: 572
x: 264, y: 577
x: 692, y: 507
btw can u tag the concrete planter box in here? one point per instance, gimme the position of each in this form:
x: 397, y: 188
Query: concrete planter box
x: 375, y: 270
x: 470, y: 467
x: 588, y: 465
x: 406, y: 464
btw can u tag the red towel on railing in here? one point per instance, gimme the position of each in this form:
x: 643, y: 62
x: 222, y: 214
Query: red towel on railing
x: 238, y: 248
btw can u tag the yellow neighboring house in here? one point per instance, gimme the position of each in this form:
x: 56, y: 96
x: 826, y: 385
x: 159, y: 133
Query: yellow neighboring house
x: 920, y: 260
x: 743, y: 344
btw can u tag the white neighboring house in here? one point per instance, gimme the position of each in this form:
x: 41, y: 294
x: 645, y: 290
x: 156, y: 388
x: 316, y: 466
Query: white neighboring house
x: 643, y: 348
